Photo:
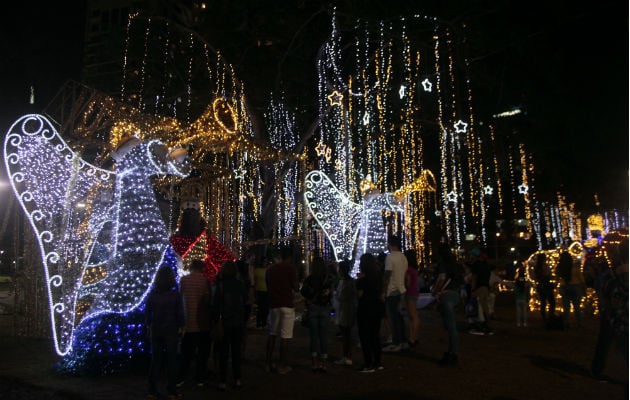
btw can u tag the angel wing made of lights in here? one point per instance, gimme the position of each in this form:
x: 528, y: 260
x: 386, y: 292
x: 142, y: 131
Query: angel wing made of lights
x: 100, y: 232
x: 337, y: 215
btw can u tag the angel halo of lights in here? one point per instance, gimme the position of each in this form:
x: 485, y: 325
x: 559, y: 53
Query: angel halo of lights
x: 99, y: 258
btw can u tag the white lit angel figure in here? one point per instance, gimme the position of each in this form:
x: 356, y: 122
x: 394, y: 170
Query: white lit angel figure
x: 342, y: 220
x: 100, y: 232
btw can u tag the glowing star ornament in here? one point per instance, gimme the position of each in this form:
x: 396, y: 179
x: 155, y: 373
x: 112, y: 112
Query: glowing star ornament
x: 427, y: 85
x: 335, y: 98
x: 452, y: 197
x: 100, y: 258
x: 240, y: 172
x: 488, y: 189
x: 366, y: 119
x: 323, y: 151
x: 460, y: 126
x: 523, y: 188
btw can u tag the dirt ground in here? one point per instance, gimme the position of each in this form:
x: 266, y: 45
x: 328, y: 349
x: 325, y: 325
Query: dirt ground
x: 514, y: 363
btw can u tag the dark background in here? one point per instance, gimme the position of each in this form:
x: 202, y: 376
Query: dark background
x: 564, y: 63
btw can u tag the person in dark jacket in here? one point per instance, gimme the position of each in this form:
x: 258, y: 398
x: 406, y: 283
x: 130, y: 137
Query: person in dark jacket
x: 230, y: 298
x: 164, y: 315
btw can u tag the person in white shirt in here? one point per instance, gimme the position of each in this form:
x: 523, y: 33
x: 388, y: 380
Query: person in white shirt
x: 393, y: 290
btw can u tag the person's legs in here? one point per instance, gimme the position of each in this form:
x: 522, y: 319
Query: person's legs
x: 262, y: 310
x: 395, y: 319
x: 604, y: 340
x: 448, y: 300
x: 224, y: 353
x: 314, y: 335
x: 203, y: 352
x: 414, y: 321
x: 235, y: 344
x: 274, y: 331
x: 346, y: 341
x: 375, y: 341
x: 188, y: 349
x: 286, y: 322
x: 156, y: 363
x: 323, y: 319
x: 364, y: 337
x: 565, y: 294
x: 171, y: 363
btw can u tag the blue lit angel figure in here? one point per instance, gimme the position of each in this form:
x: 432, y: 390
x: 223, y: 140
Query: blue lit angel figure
x: 100, y: 232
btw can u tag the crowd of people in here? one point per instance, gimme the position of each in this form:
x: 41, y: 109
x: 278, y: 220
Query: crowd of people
x: 381, y: 302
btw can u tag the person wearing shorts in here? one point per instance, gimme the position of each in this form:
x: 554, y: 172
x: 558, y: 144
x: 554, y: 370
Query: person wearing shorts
x: 282, y: 285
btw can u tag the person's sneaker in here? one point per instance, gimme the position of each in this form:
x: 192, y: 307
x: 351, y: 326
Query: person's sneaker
x: 404, y: 346
x: 343, y: 361
x: 201, y: 384
x: 222, y: 386
x: 366, y: 370
x: 179, y: 383
x: 392, y: 348
x: 379, y: 368
x: 476, y: 331
x: 238, y: 384
x: 285, y: 369
x: 271, y: 368
x: 488, y: 332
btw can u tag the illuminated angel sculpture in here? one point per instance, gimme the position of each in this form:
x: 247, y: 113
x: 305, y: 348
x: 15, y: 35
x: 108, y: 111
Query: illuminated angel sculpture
x: 342, y: 220
x: 100, y: 232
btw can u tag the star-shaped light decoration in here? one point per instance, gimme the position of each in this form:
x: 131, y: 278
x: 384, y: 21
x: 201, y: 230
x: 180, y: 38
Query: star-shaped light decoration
x: 401, y: 91
x: 460, y: 126
x: 335, y: 98
x: 452, y: 196
x: 488, y: 189
x: 240, y: 172
x: 366, y: 119
x: 427, y: 85
x: 523, y: 188
x: 323, y: 151
x: 338, y: 165
x: 438, y: 213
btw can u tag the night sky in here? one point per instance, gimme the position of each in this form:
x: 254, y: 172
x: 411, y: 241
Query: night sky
x: 565, y: 64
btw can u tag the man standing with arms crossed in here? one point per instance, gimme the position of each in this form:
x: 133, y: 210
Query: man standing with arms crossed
x: 281, y: 287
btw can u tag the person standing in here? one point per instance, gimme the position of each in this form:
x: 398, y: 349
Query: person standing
x: 262, y: 301
x: 370, y: 312
x: 446, y: 292
x: 411, y: 296
x: 480, y: 289
x: 347, y: 309
x: 544, y: 288
x: 521, y: 295
x: 612, y: 292
x: 164, y: 318
x: 195, y: 288
x: 572, y: 287
x: 394, y: 290
x: 230, y: 299
x: 317, y: 291
x: 281, y: 286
